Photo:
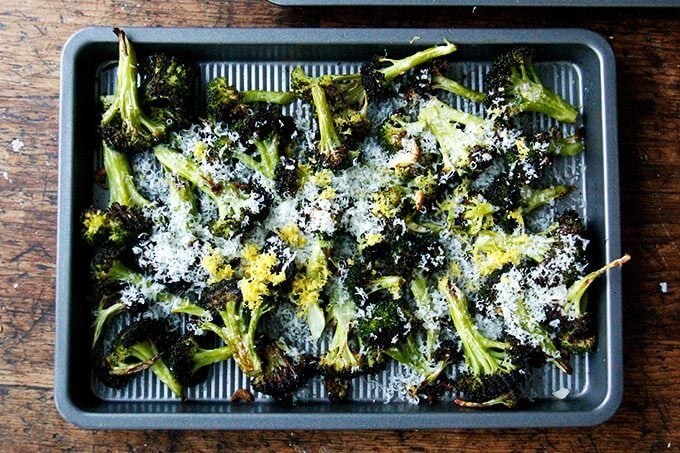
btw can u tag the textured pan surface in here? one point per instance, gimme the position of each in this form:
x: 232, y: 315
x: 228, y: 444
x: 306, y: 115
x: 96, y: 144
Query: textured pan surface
x: 593, y: 387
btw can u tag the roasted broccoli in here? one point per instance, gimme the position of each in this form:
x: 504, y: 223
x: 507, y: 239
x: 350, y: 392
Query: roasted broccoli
x: 124, y: 220
x: 234, y: 205
x: 137, y: 347
x: 189, y: 362
x: 514, y: 85
x: 225, y: 103
x: 308, y: 286
x: 125, y: 126
x: 283, y: 371
x: 492, y: 378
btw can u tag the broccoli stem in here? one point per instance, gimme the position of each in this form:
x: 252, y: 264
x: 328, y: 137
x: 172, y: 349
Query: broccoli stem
x: 545, y: 342
x: 329, y: 141
x: 567, y: 146
x: 122, y: 189
x: 408, y: 352
x: 205, y: 357
x: 538, y: 98
x: 269, y: 156
x: 574, y: 302
x: 533, y: 199
x: 239, y: 336
x: 482, y: 355
x: 175, y: 162
x: 181, y: 193
x: 271, y: 97
x: 340, y: 357
x: 444, y: 83
x: 102, y: 317
x: 126, y: 100
x: 399, y: 67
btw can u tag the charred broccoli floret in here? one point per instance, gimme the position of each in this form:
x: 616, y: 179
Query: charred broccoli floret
x: 332, y: 150
x: 231, y: 201
x: 514, y: 83
x: 431, y: 77
x: 226, y: 103
x: 491, y: 378
x: 123, y: 221
x: 125, y: 126
x: 283, y: 371
x: 167, y: 87
x: 339, y: 389
x: 190, y: 363
x: 137, y: 347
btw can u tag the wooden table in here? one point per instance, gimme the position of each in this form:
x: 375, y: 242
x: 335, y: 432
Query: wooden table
x: 32, y: 33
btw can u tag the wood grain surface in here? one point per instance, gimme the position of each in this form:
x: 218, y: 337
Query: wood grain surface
x: 32, y: 33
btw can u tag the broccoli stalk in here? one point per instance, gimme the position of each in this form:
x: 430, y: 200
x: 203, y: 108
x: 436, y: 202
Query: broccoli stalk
x: 574, y: 303
x: 513, y: 82
x: 409, y: 352
x: 533, y: 199
x: 441, y: 82
x: 124, y: 125
x: 330, y: 147
x: 454, y: 143
x: 123, y: 220
x: 307, y: 288
x: 137, y: 347
x: 270, y: 97
x: 240, y: 322
x: 226, y: 196
x: 109, y: 272
x: 188, y: 361
x: 340, y: 360
x: 491, y: 376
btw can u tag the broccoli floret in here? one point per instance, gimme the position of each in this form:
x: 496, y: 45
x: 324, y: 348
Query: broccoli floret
x: 137, y: 347
x: 514, y: 83
x: 426, y: 354
x: 383, y: 323
x: 226, y: 103
x: 124, y: 125
x: 346, y: 356
x: 431, y: 77
x: 167, y: 86
x: 284, y: 371
x: 189, y: 362
x: 491, y: 378
x: 110, y: 275
x: 266, y: 133
x: 457, y: 134
x: 123, y: 221
x: 229, y: 198
x: 331, y: 149
x: 308, y: 285
x: 339, y: 389
x: 237, y: 324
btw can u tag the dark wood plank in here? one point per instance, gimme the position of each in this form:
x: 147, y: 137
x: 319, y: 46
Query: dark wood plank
x: 33, y: 32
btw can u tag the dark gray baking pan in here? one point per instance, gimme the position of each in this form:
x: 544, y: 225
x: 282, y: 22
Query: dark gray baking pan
x: 559, y: 3
x: 578, y: 64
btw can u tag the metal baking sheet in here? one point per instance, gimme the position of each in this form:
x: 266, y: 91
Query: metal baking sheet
x: 578, y: 64
x: 557, y: 3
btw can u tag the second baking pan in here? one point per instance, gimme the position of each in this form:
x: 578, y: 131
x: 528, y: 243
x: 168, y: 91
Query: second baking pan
x: 557, y: 3
x: 578, y: 64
